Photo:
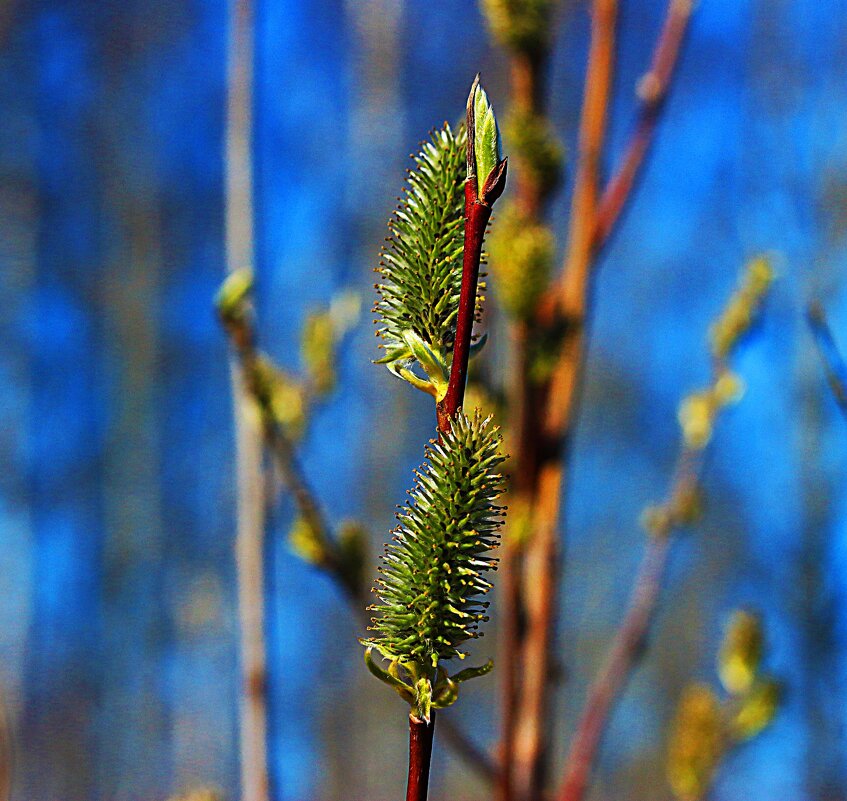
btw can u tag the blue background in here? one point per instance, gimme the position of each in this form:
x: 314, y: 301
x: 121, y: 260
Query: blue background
x: 117, y: 620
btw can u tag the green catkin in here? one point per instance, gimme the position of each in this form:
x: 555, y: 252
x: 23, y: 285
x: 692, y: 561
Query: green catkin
x: 432, y: 577
x: 421, y: 266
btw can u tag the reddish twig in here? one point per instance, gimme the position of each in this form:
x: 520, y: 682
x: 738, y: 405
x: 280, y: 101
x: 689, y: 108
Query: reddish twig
x: 615, y: 670
x: 628, y: 642
x: 477, y: 215
x: 420, y: 756
x: 652, y: 90
x: 542, y: 564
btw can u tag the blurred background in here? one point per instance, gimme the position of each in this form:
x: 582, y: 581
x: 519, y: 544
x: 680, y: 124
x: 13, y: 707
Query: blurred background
x: 118, y: 635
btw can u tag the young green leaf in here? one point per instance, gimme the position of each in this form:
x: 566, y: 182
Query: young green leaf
x: 487, y: 143
x: 432, y: 576
x: 486, y: 168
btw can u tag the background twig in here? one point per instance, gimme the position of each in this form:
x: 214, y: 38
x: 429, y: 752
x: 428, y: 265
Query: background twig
x: 627, y: 644
x: 542, y: 564
x: 652, y: 90
x: 251, y: 496
x: 833, y: 361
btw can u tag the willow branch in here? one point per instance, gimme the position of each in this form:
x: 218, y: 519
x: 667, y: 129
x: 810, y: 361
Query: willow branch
x: 652, y: 90
x: 628, y: 642
x: 834, y: 366
x: 420, y: 757
x: 243, y: 339
x: 527, y: 79
x: 251, y: 505
x: 541, y: 565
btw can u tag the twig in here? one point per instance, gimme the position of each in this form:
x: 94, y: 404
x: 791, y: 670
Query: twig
x: 420, y: 757
x: 527, y: 75
x: 480, y: 195
x: 628, y: 642
x: 833, y: 362
x: 251, y: 508
x: 481, y: 192
x: 652, y: 90
x: 477, y: 215
x: 697, y: 418
x: 541, y: 565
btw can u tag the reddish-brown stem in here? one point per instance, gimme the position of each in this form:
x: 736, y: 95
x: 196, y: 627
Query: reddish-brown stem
x: 420, y: 756
x: 652, y: 90
x: 628, y: 642
x: 541, y: 562
x: 477, y: 215
x: 527, y: 73
x: 616, y: 669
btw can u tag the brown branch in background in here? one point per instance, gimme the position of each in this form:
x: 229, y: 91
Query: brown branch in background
x: 542, y: 563
x: 652, y: 90
x: 629, y: 639
x: 833, y: 362
x: 527, y: 77
x: 251, y: 513
x: 697, y: 416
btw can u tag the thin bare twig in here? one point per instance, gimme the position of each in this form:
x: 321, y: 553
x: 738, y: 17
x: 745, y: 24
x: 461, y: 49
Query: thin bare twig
x: 833, y: 362
x: 628, y: 641
x: 251, y: 516
x: 652, y: 90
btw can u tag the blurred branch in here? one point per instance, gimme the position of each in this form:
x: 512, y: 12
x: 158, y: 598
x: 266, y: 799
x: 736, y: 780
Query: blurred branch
x: 627, y: 644
x: 652, y: 90
x: 251, y: 515
x: 593, y: 216
x: 541, y: 561
x: 697, y: 415
x: 833, y: 362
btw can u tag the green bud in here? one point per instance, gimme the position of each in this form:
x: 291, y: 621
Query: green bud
x: 317, y: 348
x: 232, y: 298
x: 306, y: 542
x: 741, y: 652
x: 741, y: 310
x: 696, y: 743
x: 487, y: 135
x: 485, y: 163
